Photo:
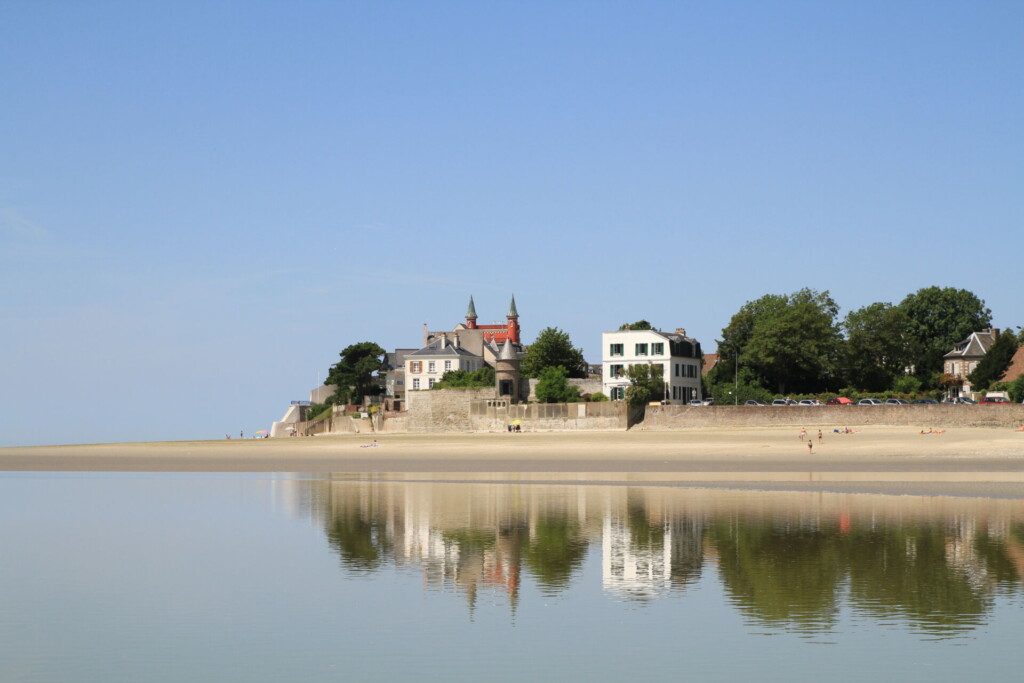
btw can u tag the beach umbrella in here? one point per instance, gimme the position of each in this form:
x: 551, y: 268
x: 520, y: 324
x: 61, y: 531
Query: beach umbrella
x: 263, y: 431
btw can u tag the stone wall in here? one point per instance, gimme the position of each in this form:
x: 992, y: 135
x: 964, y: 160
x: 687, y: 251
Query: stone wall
x: 681, y: 417
x: 586, y: 386
x: 441, y: 410
x: 496, y: 415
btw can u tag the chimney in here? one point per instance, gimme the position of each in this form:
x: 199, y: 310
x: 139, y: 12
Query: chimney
x: 444, y: 341
x: 458, y: 341
x: 681, y: 331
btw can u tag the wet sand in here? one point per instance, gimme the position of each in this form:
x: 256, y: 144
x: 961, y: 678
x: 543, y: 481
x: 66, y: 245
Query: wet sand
x: 886, y: 456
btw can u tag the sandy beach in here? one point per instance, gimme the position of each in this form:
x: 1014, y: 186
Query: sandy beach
x: 872, y: 458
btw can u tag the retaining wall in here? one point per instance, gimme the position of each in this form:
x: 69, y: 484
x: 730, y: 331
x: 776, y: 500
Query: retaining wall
x: 681, y: 417
x: 441, y: 410
x: 496, y: 415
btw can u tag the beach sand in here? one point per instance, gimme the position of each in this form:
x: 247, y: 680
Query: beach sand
x: 882, y: 459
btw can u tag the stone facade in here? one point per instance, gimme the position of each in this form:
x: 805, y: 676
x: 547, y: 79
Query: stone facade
x: 442, y: 410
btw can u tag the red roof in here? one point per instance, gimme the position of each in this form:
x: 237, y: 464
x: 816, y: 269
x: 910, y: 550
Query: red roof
x: 494, y: 333
x: 1016, y: 368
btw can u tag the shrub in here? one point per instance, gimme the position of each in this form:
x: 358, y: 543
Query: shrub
x: 1016, y: 389
x: 598, y: 397
x: 907, y: 384
x: 463, y: 379
x: 317, y: 410
x: 553, y: 386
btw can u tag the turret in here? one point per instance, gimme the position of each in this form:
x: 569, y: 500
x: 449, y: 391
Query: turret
x: 513, y: 321
x: 506, y: 372
x: 471, y: 314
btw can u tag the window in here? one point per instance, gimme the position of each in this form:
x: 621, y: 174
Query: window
x: 618, y: 393
x: 616, y: 370
x: 447, y: 365
x: 431, y: 382
x: 658, y: 349
x: 416, y: 384
x: 641, y: 349
x: 677, y: 369
x: 431, y: 366
x: 616, y: 350
x: 416, y: 366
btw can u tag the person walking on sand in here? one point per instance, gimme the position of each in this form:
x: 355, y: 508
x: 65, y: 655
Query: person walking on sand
x: 819, y: 436
x: 803, y: 433
x: 810, y: 447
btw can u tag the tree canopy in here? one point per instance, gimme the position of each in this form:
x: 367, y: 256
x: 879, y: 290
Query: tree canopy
x: 638, y: 325
x: 939, y: 318
x: 645, y: 385
x: 553, y: 386
x: 357, y: 373
x: 553, y: 348
x: 467, y: 379
x: 879, y: 346
x: 994, y: 363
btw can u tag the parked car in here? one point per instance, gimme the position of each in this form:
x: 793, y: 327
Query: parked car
x: 783, y: 402
x: 839, y: 401
x: 869, y: 402
x: 709, y: 401
x: 896, y: 402
x: 994, y: 400
x: 810, y: 402
x: 926, y: 401
x: 959, y: 400
x: 695, y: 402
x: 752, y: 402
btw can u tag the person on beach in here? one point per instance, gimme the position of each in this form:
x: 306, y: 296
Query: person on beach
x: 810, y: 447
x: 820, y: 437
x: 803, y: 433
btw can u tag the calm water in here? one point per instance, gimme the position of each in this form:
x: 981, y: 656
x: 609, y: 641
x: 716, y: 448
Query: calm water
x: 164, y: 577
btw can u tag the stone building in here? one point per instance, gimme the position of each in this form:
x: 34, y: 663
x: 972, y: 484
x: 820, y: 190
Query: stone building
x: 965, y: 356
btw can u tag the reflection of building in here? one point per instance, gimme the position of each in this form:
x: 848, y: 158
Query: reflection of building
x: 638, y: 570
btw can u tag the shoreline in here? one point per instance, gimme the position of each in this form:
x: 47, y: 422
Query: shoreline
x: 959, y: 453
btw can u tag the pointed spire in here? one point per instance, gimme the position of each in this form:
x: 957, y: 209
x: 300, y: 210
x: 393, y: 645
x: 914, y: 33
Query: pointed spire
x: 507, y: 352
x: 471, y: 311
x: 512, y: 312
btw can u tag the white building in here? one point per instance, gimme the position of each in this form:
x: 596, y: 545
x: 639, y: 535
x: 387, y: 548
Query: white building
x: 426, y: 367
x: 673, y: 355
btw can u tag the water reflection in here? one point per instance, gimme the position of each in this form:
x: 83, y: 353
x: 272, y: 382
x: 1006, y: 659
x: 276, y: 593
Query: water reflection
x: 789, y: 560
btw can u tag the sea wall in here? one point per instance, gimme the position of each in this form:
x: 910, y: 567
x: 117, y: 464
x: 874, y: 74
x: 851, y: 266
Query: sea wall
x: 942, y: 415
x: 497, y: 415
x: 441, y: 410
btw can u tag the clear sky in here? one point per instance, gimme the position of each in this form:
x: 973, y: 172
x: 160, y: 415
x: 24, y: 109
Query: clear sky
x: 202, y: 203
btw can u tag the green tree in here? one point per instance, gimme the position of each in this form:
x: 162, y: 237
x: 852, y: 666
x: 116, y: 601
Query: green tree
x: 645, y: 385
x: 879, y: 346
x: 994, y: 363
x: 553, y: 386
x: 553, y: 348
x: 357, y: 374
x: 939, y: 318
x: 638, y: 325
x: 737, y: 334
x: 467, y: 379
x: 1016, y: 389
x: 598, y: 397
x: 729, y: 392
x: 796, y: 345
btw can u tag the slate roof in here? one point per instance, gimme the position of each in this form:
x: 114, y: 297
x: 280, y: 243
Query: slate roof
x: 435, y: 349
x: 975, y: 346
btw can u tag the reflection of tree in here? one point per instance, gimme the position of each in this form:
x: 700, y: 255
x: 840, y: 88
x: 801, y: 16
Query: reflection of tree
x: 557, y: 547
x: 787, y: 574
x: 687, y: 549
x: 919, y: 571
x: 358, y: 535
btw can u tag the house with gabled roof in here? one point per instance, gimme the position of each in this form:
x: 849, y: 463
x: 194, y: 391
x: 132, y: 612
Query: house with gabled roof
x: 965, y: 356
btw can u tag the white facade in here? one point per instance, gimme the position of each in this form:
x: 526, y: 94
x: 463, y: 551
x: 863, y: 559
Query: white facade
x: 622, y: 349
x: 422, y: 371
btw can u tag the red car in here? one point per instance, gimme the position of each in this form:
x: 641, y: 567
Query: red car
x: 839, y: 401
x: 994, y: 400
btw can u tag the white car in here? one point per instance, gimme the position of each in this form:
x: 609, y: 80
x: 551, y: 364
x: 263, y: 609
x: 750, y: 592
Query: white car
x: 810, y: 402
x: 869, y: 402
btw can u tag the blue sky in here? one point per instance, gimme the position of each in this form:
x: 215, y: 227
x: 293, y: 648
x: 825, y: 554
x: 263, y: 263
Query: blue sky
x: 202, y: 203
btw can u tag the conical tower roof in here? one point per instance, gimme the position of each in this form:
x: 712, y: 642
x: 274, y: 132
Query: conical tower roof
x: 512, y: 312
x: 507, y: 352
x: 471, y: 311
